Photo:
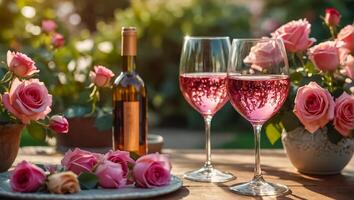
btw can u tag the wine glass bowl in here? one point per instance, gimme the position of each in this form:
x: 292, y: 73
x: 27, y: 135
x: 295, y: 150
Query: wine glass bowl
x: 202, y: 80
x: 258, y: 85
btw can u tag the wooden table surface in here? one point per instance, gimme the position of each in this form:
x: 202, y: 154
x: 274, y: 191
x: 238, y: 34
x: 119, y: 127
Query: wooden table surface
x: 276, y: 168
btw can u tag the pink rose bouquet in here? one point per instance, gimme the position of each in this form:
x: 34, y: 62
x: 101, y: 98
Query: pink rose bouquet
x: 24, y: 99
x: 321, y: 77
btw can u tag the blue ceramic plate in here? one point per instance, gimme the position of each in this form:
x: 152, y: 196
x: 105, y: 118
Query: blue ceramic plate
x: 129, y: 192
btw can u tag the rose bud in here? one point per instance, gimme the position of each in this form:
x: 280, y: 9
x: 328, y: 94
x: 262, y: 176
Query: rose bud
x: 347, y: 36
x: 332, y: 17
x: 26, y: 177
x: 152, y: 170
x: 264, y: 55
x: 295, y: 35
x: 20, y: 64
x: 314, y: 106
x: 325, y: 56
x: 79, y: 161
x: 59, y: 124
x: 344, y: 114
x: 48, y: 26
x: 110, y: 175
x: 101, y: 76
x: 63, y: 183
x: 58, y: 40
x: 121, y: 157
x: 27, y: 100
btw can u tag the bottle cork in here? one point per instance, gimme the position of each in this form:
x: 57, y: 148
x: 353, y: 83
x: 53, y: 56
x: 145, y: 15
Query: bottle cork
x: 128, y: 45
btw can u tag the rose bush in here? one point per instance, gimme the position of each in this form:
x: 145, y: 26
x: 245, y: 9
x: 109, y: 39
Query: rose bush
x: 319, y: 75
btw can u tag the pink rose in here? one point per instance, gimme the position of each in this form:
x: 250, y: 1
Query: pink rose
x: 79, y: 161
x: 28, y: 100
x: 101, y: 76
x: 121, y: 157
x: 264, y: 55
x: 347, y: 36
x: 58, y: 40
x: 59, y: 124
x: 26, y: 177
x: 347, y: 61
x: 344, y: 114
x: 349, y: 66
x: 152, y: 170
x: 110, y: 175
x: 48, y: 26
x: 20, y: 64
x: 295, y: 35
x: 325, y: 56
x: 332, y: 17
x: 314, y: 106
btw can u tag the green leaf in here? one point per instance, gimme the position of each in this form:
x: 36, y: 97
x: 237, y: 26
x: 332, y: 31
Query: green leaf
x: 273, y: 132
x: 36, y: 131
x: 290, y: 121
x: 296, y: 77
x: 104, y: 121
x: 87, y: 181
x: 333, y: 135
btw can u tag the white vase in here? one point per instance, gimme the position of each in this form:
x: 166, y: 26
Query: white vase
x: 314, y: 153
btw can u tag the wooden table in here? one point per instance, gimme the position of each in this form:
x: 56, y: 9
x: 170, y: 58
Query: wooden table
x: 275, y: 165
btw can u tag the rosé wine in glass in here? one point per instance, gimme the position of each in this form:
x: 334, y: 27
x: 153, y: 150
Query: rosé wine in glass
x: 258, y: 98
x: 205, y: 92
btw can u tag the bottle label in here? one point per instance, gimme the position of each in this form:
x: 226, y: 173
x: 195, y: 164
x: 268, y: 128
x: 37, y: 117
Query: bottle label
x: 131, y: 125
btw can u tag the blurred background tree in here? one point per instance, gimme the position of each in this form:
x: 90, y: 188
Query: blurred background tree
x: 92, y: 36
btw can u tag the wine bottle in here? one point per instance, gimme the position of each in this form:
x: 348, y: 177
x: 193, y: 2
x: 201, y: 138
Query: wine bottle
x: 129, y: 100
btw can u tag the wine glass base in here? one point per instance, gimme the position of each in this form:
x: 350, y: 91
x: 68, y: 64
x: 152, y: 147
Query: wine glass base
x: 209, y: 174
x: 260, y: 188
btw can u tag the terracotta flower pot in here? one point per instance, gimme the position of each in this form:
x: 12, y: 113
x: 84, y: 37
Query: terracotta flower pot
x: 10, y: 135
x: 314, y: 153
x: 83, y: 134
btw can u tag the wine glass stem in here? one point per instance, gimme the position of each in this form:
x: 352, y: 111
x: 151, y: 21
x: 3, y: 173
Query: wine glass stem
x: 257, y: 143
x: 207, y: 120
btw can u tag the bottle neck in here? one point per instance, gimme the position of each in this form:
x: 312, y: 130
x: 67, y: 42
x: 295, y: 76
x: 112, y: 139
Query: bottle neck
x: 128, y: 63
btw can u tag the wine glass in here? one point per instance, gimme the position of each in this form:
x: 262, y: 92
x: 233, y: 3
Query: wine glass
x: 257, y: 85
x: 202, y: 80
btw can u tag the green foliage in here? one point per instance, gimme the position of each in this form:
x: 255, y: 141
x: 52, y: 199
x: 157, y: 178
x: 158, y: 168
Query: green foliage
x: 333, y: 135
x: 88, y: 180
x: 36, y: 131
